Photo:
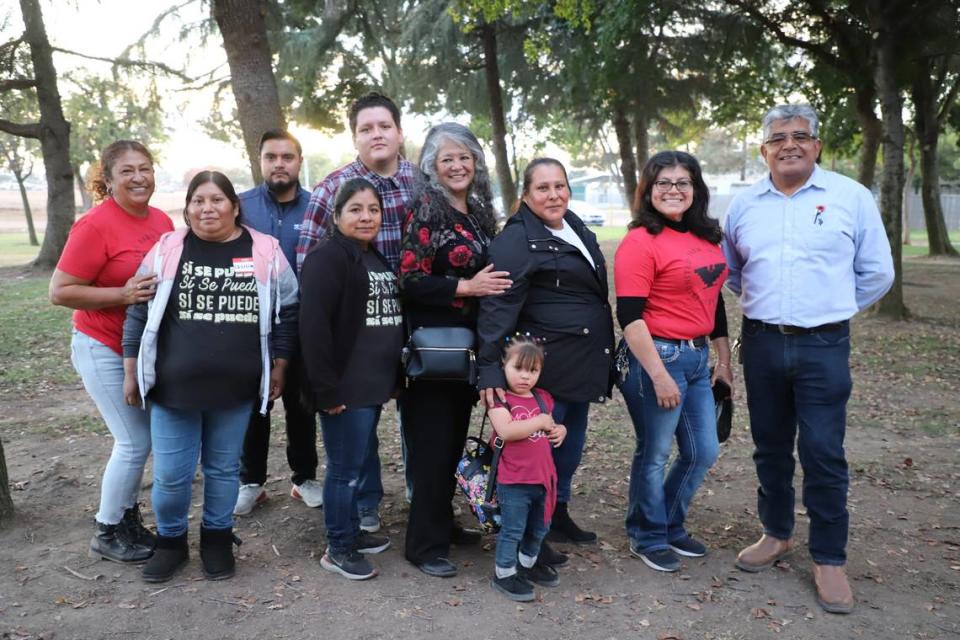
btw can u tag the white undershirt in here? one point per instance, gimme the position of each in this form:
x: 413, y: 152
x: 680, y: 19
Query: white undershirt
x: 567, y: 234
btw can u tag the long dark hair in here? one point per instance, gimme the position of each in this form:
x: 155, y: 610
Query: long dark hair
x: 697, y: 218
x: 347, y: 190
x: 223, y: 182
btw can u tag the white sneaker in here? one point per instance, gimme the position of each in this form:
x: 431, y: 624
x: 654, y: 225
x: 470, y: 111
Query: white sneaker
x: 250, y: 495
x: 310, y: 491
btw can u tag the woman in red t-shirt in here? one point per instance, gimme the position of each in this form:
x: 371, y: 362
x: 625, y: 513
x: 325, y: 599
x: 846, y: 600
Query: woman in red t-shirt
x: 668, y: 272
x: 95, y: 276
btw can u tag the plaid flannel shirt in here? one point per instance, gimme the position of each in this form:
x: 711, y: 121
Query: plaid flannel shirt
x: 395, y: 190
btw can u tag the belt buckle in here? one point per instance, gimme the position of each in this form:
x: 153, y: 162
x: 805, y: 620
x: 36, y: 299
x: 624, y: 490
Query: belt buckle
x: 785, y: 329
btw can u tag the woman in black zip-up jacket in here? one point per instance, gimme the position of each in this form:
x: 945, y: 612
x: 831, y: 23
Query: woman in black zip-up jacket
x: 559, y: 296
x: 351, y: 339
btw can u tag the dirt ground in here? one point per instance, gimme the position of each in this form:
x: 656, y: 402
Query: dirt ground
x: 903, y: 445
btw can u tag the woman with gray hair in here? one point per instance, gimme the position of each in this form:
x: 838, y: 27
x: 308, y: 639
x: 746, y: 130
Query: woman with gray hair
x: 443, y: 275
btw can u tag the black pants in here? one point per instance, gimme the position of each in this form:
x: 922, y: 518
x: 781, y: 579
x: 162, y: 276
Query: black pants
x: 435, y: 416
x: 301, y: 436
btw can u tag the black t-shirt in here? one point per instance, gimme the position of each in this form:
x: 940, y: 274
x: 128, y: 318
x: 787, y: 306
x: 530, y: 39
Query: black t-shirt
x: 208, y: 349
x: 371, y: 375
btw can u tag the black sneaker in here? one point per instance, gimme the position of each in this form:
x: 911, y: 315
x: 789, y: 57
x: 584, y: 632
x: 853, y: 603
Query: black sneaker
x: 514, y: 587
x: 541, y: 574
x: 550, y: 556
x: 689, y: 547
x: 659, y: 560
x: 369, y: 543
x: 351, y: 565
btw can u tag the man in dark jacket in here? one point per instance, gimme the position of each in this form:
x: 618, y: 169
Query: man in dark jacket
x: 277, y: 207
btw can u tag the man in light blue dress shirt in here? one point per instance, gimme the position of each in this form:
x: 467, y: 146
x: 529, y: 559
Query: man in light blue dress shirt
x: 807, y: 250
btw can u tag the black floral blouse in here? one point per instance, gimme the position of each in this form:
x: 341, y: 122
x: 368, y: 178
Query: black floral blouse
x: 438, y: 251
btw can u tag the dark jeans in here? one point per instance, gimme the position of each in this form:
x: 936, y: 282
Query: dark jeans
x: 347, y: 438
x: 301, y: 436
x: 566, y: 457
x: 435, y: 416
x: 521, y: 522
x: 800, y: 381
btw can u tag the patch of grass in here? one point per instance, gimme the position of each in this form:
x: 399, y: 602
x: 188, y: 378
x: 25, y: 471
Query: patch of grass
x: 15, y: 249
x: 34, y: 337
x: 608, y: 233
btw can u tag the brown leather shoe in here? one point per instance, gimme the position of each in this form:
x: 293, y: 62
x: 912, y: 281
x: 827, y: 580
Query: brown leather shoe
x: 763, y: 554
x: 833, y: 588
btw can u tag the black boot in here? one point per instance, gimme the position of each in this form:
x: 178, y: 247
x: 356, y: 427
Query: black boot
x: 133, y: 522
x: 216, y: 552
x: 551, y: 557
x: 168, y: 557
x: 111, y: 542
x: 563, y: 529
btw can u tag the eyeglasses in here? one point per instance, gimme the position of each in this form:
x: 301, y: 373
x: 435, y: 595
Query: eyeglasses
x: 664, y: 186
x: 800, y: 137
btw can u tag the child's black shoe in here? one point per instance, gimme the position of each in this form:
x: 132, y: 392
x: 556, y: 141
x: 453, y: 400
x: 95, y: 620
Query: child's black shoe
x: 514, y: 587
x: 541, y: 574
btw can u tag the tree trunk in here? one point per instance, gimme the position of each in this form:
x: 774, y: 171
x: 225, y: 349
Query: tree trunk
x: 891, y: 180
x: 628, y: 162
x: 508, y: 191
x: 927, y: 127
x: 871, y: 132
x: 6, y: 502
x: 641, y: 138
x: 31, y: 230
x: 907, y: 188
x: 54, y: 138
x: 86, y: 201
x: 244, y: 32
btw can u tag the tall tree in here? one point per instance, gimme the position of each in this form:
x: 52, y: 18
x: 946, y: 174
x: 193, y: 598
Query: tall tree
x: 243, y: 26
x: 17, y: 156
x: 886, y: 21
x: 935, y: 82
x: 52, y: 130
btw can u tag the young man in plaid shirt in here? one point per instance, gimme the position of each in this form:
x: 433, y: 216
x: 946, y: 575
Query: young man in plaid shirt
x: 378, y: 137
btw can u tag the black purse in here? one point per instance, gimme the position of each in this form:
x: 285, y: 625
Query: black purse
x: 441, y: 353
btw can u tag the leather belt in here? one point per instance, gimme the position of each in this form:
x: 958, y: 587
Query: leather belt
x: 790, y: 330
x: 698, y: 342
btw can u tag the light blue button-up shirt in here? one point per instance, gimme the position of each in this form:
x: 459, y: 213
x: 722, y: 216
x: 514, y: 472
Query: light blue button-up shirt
x: 815, y: 257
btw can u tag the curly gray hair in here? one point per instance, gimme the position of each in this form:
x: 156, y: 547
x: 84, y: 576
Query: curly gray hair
x: 480, y: 190
x: 783, y: 112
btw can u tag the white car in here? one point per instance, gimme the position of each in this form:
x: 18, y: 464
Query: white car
x: 591, y: 215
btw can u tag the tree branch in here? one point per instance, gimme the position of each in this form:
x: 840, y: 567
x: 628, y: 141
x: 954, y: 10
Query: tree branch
x: 31, y: 130
x: 126, y: 62
x: 947, y: 104
x: 17, y: 83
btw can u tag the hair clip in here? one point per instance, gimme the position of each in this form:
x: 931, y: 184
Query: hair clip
x: 526, y: 337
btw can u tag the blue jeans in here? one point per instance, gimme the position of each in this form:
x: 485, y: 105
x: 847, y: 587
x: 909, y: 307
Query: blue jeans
x: 658, y: 506
x: 801, y: 381
x: 521, y: 522
x: 566, y: 457
x: 101, y: 370
x: 180, y: 436
x: 348, y: 438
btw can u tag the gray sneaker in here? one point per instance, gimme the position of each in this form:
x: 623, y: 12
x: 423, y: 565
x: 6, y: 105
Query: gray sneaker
x: 369, y: 520
x: 351, y: 565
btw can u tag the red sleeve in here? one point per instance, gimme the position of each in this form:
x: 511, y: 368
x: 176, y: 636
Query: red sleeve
x: 634, y: 265
x: 85, y: 253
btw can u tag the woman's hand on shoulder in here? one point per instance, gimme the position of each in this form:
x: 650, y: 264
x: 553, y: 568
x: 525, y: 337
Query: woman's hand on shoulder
x: 139, y: 289
x: 485, y: 282
x: 490, y: 396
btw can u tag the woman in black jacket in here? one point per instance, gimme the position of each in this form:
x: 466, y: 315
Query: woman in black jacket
x: 351, y: 338
x: 444, y: 271
x: 559, y: 295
